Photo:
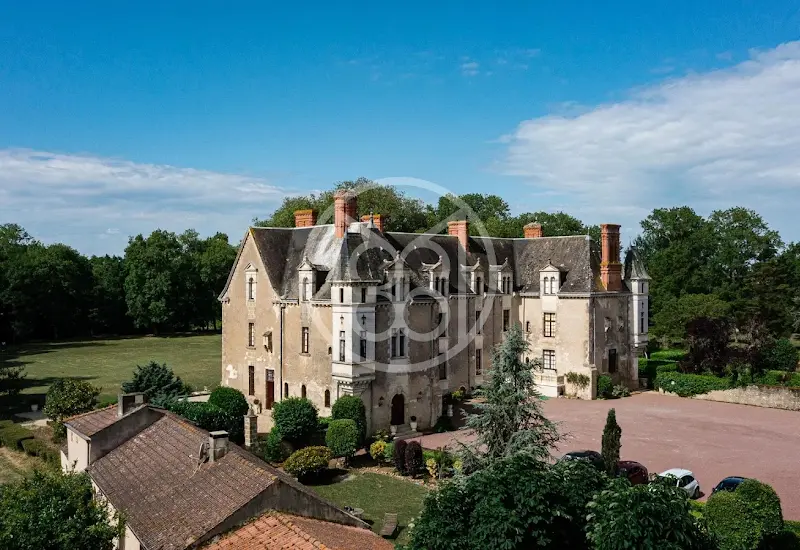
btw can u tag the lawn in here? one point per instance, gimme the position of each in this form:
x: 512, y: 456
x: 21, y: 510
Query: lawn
x: 377, y: 494
x: 109, y: 362
x: 14, y: 465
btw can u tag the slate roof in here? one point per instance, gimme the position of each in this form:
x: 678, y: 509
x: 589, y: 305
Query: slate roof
x: 634, y: 265
x: 92, y: 422
x: 168, y: 500
x: 282, y: 250
x: 276, y: 531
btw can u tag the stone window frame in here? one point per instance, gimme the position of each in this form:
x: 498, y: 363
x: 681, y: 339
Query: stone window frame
x: 305, y: 340
x: 549, y: 324
x: 549, y: 359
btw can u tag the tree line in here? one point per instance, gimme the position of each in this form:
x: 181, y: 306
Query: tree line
x: 164, y: 282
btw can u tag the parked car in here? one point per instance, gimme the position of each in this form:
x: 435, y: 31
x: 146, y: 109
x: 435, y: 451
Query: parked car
x: 634, y: 471
x: 728, y: 484
x: 684, y: 479
x: 592, y: 457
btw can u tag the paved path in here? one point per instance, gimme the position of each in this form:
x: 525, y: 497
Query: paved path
x: 714, y: 440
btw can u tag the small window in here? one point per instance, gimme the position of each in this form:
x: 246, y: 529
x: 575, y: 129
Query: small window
x: 641, y: 322
x: 304, y: 347
x: 393, y: 289
x: 443, y: 370
x: 506, y: 319
x: 549, y: 325
x: 478, y: 363
x: 305, y: 289
x: 362, y: 345
x: 303, y: 391
x: 402, y: 342
x: 436, y: 284
x: 612, y: 361
x: 363, y: 295
x: 285, y: 389
x: 251, y: 380
x: 327, y: 398
x: 341, y: 295
x: 527, y: 326
x: 251, y: 335
x: 479, y: 286
x: 342, y: 345
x: 394, y: 343
x: 477, y: 322
x: 251, y: 288
x: 549, y: 359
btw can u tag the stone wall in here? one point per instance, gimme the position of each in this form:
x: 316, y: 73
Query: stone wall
x: 774, y: 397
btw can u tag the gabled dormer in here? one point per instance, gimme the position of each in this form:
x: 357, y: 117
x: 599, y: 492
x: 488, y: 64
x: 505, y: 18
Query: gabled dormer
x: 398, y: 278
x: 306, y: 274
x: 473, y: 275
x: 437, y: 275
x: 501, y: 278
x: 549, y: 280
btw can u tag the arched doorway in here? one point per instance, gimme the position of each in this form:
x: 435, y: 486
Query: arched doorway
x: 398, y: 410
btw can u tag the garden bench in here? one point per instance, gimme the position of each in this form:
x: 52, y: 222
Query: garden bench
x: 389, y: 525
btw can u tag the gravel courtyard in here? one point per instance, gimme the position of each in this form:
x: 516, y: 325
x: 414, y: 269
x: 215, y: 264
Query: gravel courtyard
x: 714, y: 440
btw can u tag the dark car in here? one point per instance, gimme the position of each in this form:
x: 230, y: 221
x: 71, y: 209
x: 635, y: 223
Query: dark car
x: 634, y: 471
x: 592, y: 457
x: 728, y: 484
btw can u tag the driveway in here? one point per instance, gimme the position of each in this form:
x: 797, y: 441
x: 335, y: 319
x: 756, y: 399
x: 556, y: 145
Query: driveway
x: 714, y: 440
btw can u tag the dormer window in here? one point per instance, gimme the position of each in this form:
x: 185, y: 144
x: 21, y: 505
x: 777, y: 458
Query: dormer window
x: 341, y: 295
x: 305, y: 289
x: 363, y: 295
x: 251, y: 288
x: 251, y: 280
x: 478, y: 286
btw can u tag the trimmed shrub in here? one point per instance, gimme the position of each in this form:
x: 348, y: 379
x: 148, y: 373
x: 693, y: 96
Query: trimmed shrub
x: 351, y: 407
x: 210, y: 418
x: 604, y: 386
x: 377, y: 450
x: 272, y: 448
x: 414, y: 461
x: 296, y: 419
x: 668, y: 366
x: 308, y: 462
x: 687, y: 385
x: 782, y: 355
x: 13, y: 436
x: 669, y: 354
x: 36, y: 447
x: 68, y: 397
x: 744, y: 518
x: 647, y: 369
x: 342, y: 438
x: 229, y: 399
x: 620, y: 391
x: 399, y: 457
x: 323, y: 422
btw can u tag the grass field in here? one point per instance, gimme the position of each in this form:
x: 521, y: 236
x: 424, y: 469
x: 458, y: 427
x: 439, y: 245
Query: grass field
x: 377, y: 494
x: 109, y: 362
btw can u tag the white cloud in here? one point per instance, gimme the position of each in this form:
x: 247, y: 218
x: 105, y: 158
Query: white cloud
x: 95, y: 203
x: 713, y: 140
x: 470, y: 68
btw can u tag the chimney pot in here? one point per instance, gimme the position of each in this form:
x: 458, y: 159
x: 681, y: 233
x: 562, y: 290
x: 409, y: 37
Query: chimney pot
x: 460, y: 229
x: 217, y: 445
x: 610, y: 266
x: 533, y: 230
x: 305, y: 218
x: 345, y: 205
x: 378, y: 219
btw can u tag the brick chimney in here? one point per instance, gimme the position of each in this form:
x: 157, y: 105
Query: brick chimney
x: 345, y: 204
x: 377, y: 219
x: 460, y: 229
x: 610, y: 267
x: 217, y: 445
x: 305, y: 218
x: 532, y: 230
x: 126, y: 402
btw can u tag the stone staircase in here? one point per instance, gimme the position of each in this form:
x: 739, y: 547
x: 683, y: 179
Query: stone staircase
x: 404, y: 431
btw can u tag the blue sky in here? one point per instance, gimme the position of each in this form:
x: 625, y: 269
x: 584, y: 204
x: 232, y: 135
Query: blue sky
x: 115, y: 121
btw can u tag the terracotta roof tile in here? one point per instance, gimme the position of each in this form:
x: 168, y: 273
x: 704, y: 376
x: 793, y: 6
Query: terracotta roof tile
x: 277, y: 531
x: 92, y: 422
x: 168, y: 500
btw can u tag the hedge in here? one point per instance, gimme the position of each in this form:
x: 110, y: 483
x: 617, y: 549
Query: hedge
x: 350, y: 406
x: 296, y: 418
x: 12, y: 436
x: 309, y: 461
x: 604, y: 386
x: 743, y: 519
x: 229, y: 399
x: 687, y: 385
x: 35, y: 447
x: 211, y: 418
x: 669, y: 355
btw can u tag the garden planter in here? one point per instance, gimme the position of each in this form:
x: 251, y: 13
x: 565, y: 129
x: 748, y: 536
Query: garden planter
x: 413, y: 425
x: 393, y: 429
x: 34, y: 407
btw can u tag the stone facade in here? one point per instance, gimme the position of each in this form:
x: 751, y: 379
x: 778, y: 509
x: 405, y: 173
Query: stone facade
x: 403, y: 320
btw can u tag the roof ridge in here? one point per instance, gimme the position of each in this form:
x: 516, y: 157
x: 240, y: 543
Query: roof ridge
x: 286, y: 520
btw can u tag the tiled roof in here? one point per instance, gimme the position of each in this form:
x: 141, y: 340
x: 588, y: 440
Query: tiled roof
x: 92, y: 422
x: 170, y: 501
x: 276, y: 531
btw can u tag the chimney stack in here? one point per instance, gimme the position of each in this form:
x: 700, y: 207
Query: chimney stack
x: 345, y: 204
x: 126, y: 402
x: 532, y: 230
x: 250, y: 430
x: 377, y: 219
x: 305, y: 218
x: 460, y: 229
x: 610, y: 266
x: 217, y: 445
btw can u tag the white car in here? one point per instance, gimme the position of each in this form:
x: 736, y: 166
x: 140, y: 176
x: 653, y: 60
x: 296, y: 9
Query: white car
x: 684, y: 479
